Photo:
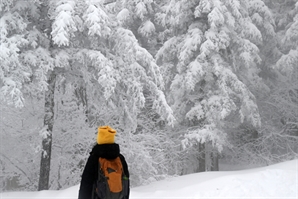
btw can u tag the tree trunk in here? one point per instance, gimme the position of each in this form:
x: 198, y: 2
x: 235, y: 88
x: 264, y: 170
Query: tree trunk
x: 81, y: 95
x: 214, y: 159
x: 45, y: 162
x: 202, y: 157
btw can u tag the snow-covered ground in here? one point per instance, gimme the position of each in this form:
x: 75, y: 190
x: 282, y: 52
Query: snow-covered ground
x: 279, y: 181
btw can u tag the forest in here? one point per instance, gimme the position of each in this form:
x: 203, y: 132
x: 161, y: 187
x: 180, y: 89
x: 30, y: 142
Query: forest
x: 187, y: 84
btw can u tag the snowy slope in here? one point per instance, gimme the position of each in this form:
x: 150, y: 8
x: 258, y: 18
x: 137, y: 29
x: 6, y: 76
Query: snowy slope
x: 279, y: 181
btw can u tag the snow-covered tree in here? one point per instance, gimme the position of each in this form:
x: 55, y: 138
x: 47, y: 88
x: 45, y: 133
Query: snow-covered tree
x: 116, y: 70
x: 25, y: 58
x: 139, y: 17
x: 262, y: 18
x: 286, y: 91
x: 210, y: 56
x: 110, y: 56
x: 72, y: 136
x: 124, y: 79
x: 287, y: 63
x: 274, y: 141
x: 281, y: 105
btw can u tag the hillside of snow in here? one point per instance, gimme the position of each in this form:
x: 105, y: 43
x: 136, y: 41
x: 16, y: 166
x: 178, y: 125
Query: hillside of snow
x: 279, y: 181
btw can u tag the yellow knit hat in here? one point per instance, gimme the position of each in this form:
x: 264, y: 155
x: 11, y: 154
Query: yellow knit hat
x: 105, y: 135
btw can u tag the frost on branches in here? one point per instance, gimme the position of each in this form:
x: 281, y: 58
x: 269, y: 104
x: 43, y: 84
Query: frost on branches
x: 12, y: 72
x: 139, y: 16
x: 64, y: 24
x: 24, y: 58
x: 97, y: 21
x: 139, y: 66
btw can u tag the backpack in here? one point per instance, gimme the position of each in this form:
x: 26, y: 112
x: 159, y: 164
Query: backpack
x: 111, y: 182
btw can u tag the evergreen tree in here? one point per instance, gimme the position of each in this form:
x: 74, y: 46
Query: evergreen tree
x: 277, y: 104
x: 210, y: 47
x: 25, y: 59
x: 139, y: 17
x: 289, y: 40
x: 72, y: 136
x: 281, y: 105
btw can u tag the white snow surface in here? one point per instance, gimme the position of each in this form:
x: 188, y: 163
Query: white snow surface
x: 279, y: 181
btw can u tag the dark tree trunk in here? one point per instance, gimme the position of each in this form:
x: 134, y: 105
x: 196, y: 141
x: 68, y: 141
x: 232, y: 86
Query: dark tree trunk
x: 81, y: 94
x: 202, y: 157
x: 214, y: 160
x: 45, y: 163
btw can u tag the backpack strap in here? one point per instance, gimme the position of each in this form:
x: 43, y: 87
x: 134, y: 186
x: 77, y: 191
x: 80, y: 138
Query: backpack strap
x: 125, y: 178
x: 124, y: 165
x: 100, y: 174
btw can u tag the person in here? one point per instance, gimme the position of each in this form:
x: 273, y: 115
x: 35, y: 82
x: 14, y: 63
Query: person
x: 105, y: 148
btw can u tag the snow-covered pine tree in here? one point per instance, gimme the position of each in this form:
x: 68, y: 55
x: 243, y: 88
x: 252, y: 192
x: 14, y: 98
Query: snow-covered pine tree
x: 63, y: 26
x: 112, y: 56
x: 274, y: 141
x: 287, y: 63
x: 116, y: 70
x: 211, y: 45
x: 25, y: 59
x: 263, y: 18
x: 287, y: 90
x: 280, y: 107
x: 72, y: 135
x: 139, y: 17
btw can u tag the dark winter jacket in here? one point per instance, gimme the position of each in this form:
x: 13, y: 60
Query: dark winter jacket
x: 90, y: 173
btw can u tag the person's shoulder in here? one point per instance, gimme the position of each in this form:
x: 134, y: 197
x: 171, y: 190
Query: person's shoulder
x: 121, y: 157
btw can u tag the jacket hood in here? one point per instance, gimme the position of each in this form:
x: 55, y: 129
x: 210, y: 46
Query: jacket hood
x: 108, y: 151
